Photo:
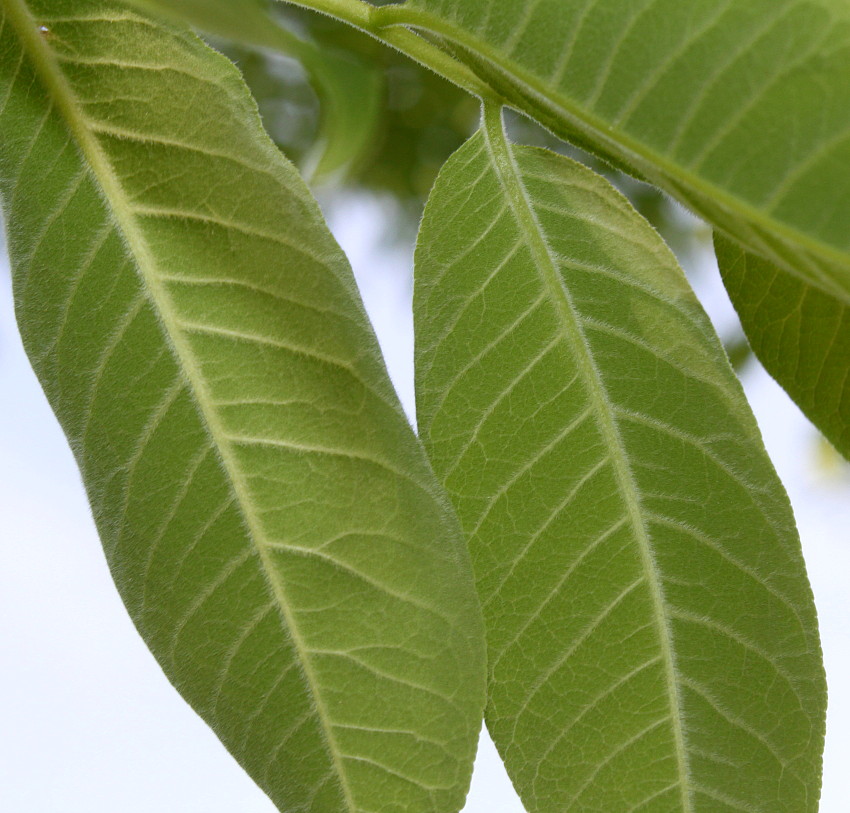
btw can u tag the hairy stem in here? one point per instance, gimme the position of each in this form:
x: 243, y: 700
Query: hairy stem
x: 380, y: 23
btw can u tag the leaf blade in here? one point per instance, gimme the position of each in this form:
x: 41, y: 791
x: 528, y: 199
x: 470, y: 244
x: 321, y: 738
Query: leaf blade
x: 261, y: 498
x: 800, y: 334
x: 597, y: 447
x: 678, y: 94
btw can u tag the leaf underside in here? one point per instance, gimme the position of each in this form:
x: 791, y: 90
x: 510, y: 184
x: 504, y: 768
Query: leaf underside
x: 652, y: 638
x: 800, y: 334
x: 738, y: 108
x: 269, y: 518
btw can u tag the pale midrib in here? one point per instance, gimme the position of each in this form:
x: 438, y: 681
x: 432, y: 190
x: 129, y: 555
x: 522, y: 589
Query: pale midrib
x: 510, y: 179
x: 48, y: 70
x: 598, y: 129
x: 381, y: 21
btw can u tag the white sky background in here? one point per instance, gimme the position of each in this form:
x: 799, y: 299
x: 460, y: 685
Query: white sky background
x: 89, y: 724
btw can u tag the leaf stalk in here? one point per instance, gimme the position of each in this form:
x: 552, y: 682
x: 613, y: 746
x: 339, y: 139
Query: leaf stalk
x: 382, y: 24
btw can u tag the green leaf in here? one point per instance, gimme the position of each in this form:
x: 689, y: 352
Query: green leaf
x: 738, y: 108
x: 800, y: 334
x: 652, y: 639
x: 349, y: 90
x: 351, y: 94
x: 269, y: 517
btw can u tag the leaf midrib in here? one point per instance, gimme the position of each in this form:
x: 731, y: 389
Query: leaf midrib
x: 642, y: 156
x: 510, y: 179
x: 50, y: 73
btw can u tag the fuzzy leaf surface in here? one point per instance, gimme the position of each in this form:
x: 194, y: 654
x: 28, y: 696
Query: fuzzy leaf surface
x: 652, y: 638
x: 268, y: 515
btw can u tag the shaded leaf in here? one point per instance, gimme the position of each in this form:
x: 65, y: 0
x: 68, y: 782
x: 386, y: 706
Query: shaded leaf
x: 652, y: 638
x: 245, y: 21
x: 268, y: 516
x: 799, y: 333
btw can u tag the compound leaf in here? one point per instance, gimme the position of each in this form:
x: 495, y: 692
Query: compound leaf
x: 652, y: 638
x: 268, y: 515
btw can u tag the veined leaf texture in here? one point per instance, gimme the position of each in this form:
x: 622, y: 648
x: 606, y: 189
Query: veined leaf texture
x: 739, y: 108
x: 273, y: 525
x: 652, y: 638
x: 268, y: 515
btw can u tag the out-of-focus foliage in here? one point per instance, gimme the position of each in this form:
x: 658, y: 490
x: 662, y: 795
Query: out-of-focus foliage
x: 422, y: 120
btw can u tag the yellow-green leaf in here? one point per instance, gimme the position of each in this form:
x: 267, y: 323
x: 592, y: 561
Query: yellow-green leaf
x: 652, y: 638
x: 268, y: 515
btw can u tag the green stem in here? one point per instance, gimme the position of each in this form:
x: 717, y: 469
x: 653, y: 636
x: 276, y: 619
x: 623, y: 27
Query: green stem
x: 493, y: 125
x: 380, y: 23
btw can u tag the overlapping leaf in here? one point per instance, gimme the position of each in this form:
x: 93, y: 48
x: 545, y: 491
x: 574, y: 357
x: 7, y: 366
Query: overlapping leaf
x: 800, y: 334
x: 652, y: 638
x: 267, y: 513
x: 739, y: 108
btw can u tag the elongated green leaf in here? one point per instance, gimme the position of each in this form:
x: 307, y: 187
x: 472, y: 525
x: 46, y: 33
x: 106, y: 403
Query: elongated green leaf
x: 800, y: 334
x: 350, y: 91
x: 652, y: 640
x: 739, y: 108
x: 269, y: 518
